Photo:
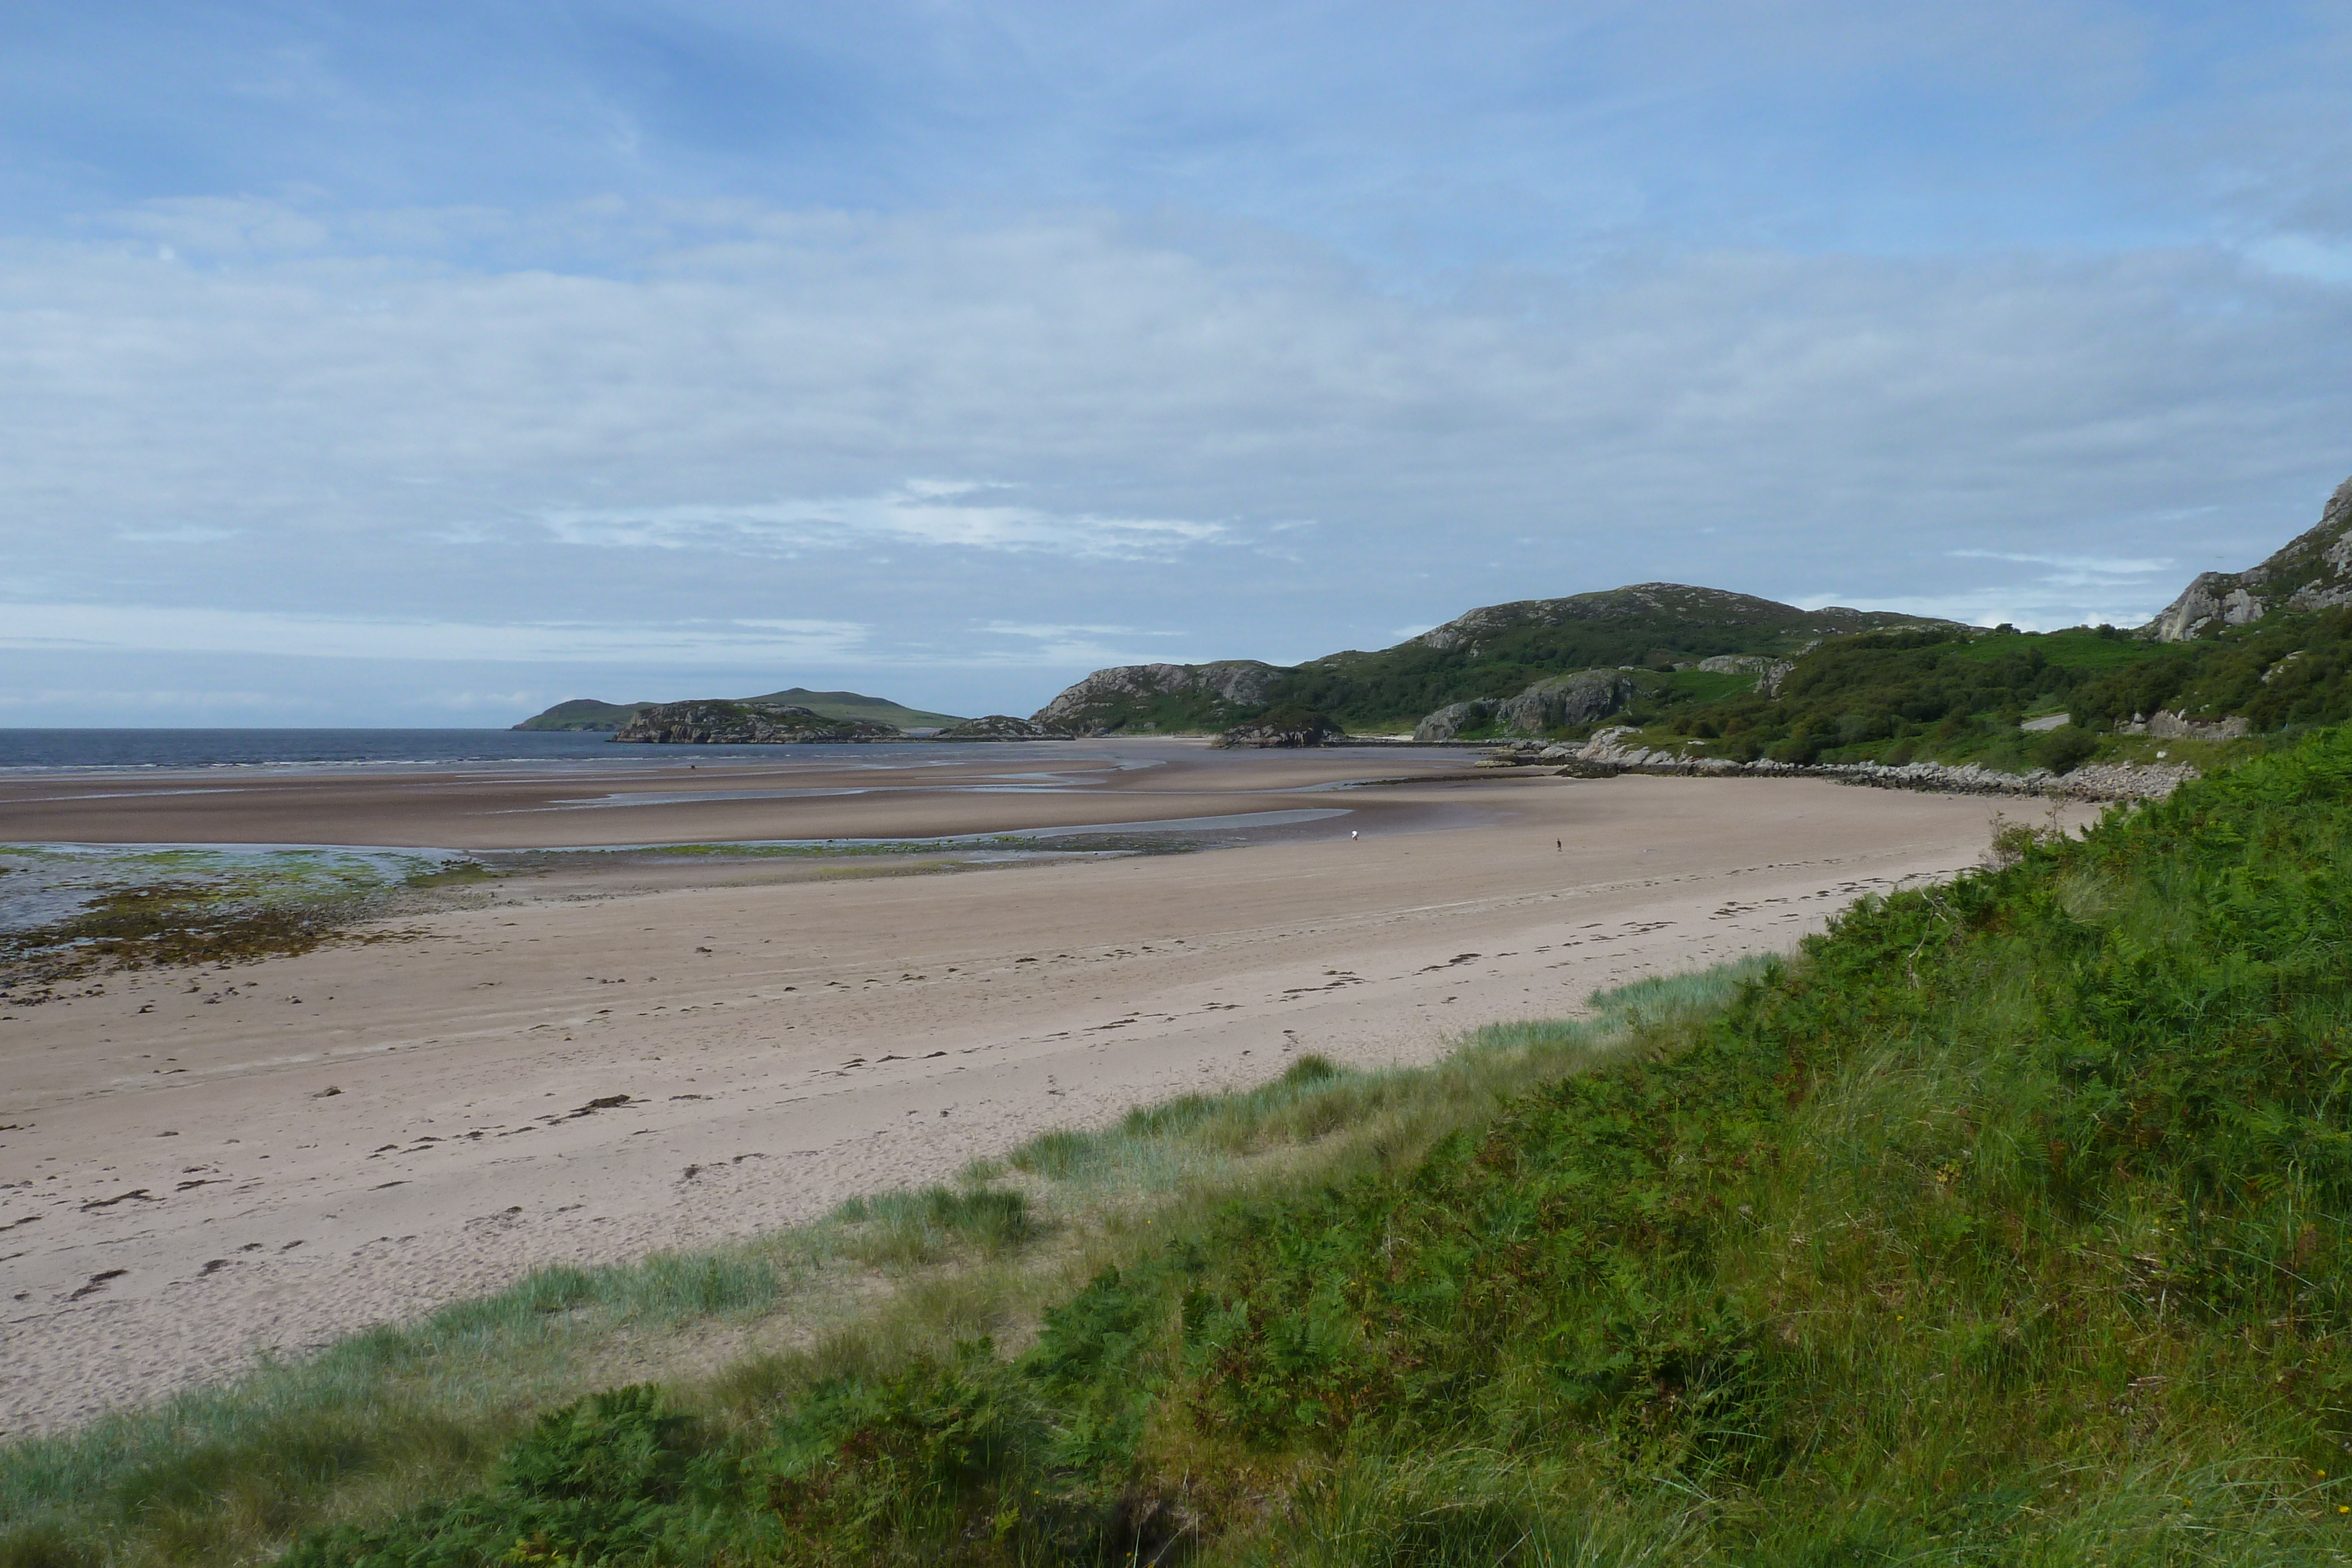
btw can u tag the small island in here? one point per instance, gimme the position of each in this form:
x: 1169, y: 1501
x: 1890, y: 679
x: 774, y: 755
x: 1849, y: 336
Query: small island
x: 746, y: 724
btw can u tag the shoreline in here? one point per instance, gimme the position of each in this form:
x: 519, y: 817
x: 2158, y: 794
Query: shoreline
x: 612, y: 1060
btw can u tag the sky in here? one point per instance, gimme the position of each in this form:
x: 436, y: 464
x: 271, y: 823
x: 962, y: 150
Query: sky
x: 428, y: 364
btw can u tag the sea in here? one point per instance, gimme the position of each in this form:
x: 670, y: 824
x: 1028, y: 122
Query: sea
x: 299, y: 750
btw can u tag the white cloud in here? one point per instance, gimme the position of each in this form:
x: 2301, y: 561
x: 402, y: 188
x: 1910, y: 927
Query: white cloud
x: 113, y: 628
x: 736, y: 440
x: 82, y: 700
x: 1052, y: 632
x: 920, y: 512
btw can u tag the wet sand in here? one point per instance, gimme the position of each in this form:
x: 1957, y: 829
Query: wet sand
x: 593, y: 1064
x: 866, y: 792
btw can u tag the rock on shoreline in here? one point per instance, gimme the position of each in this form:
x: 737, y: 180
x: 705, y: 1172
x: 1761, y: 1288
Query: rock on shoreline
x: 1606, y: 753
x: 1001, y: 726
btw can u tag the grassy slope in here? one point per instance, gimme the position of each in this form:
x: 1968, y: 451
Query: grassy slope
x: 588, y: 713
x: 1395, y: 687
x: 2004, y: 1226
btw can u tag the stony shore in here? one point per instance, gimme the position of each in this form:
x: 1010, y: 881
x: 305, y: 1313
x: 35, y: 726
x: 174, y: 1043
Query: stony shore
x: 2106, y: 781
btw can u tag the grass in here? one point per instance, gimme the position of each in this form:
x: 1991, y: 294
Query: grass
x: 2006, y: 1225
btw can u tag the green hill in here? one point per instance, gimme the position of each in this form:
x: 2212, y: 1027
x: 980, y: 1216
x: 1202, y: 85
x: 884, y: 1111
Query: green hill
x: 1495, y: 651
x: 589, y: 714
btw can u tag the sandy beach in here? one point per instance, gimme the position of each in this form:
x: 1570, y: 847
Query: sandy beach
x: 594, y: 1060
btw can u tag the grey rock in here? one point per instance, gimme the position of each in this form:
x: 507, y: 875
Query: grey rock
x: 2164, y: 726
x: 1000, y: 727
x: 1769, y: 671
x: 1453, y: 719
x: 1312, y: 730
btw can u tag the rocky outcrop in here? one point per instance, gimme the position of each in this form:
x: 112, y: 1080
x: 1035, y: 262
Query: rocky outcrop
x: 1162, y: 697
x: 2311, y: 572
x: 1609, y: 752
x: 1000, y: 727
x: 1286, y: 724
x: 1561, y: 701
x: 2216, y: 597
x: 2166, y: 726
x: 745, y: 723
x: 1768, y: 672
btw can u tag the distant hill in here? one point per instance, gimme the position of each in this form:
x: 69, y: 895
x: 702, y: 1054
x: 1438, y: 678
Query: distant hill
x: 1491, y: 653
x: 589, y: 714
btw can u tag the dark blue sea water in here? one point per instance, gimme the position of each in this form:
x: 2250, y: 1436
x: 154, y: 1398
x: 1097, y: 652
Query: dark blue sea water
x: 23, y: 750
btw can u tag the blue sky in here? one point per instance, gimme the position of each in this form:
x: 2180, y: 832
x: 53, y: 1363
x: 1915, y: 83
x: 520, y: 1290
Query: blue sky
x: 427, y: 364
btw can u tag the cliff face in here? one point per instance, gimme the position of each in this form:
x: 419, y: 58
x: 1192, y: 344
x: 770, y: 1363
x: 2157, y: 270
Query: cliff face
x: 1168, y: 698
x: 743, y: 724
x: 2311, y: 572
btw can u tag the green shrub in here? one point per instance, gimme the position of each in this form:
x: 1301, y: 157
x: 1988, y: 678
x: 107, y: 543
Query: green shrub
x: 2065, y: 748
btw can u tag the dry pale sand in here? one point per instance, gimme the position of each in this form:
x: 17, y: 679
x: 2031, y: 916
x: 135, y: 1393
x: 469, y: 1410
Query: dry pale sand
x: 198, y: 1166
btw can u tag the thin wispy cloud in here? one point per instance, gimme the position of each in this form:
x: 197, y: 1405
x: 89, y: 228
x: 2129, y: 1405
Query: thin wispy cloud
x: 119, y: 628
x: 928, y: 514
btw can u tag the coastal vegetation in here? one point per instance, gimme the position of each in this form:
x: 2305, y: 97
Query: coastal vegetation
x: 1952, y: 695
x: 2004, y: 1223
x: 1494, y: 652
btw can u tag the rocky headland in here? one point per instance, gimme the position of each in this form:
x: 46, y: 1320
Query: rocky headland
x: 1174, y: 698
x: 746, y: 724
